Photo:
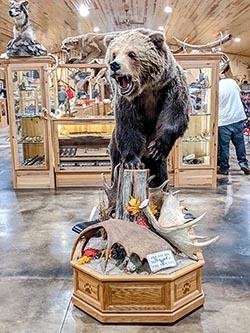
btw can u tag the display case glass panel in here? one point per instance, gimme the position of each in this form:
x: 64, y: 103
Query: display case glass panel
x: 84, y: 144
x: 196, y: 142
x: 80, y: 92
x: 30, y: 123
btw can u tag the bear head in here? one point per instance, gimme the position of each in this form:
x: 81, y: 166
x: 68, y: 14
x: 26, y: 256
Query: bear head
x: 136, y: 60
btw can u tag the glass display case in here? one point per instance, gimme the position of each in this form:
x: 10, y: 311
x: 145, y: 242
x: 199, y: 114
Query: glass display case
x: 30, y: 128
x: 195, y: 154
x: 30, y: 123
x: 82, y: 90
x: 81, y: 150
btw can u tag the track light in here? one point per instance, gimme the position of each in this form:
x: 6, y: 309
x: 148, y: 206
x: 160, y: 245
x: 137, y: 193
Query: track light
x: 168, y: 10
x: 83, y: 10
x: 237, y: 39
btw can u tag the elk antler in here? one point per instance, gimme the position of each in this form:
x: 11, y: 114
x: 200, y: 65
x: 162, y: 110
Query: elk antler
x: 111, y: 191
x: 218, y: 42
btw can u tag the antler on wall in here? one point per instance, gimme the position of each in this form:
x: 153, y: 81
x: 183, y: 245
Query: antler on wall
x: 218, y: 42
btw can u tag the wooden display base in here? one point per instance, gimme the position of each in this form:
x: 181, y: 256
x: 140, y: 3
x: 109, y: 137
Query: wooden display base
x: 138, y: 299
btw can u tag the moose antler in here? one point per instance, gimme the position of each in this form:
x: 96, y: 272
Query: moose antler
x: 217, y: 42
x: 182, y: 235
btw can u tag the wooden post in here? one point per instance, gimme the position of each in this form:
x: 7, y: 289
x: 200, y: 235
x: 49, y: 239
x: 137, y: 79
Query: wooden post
x: 131, y: 183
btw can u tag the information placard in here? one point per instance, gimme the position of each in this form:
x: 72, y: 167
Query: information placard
x: 161, y: 260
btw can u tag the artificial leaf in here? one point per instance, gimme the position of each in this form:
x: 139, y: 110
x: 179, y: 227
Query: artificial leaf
x: 133, y: 206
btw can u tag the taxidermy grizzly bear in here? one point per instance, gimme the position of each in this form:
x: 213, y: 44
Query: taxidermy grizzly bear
x: 151, y: 101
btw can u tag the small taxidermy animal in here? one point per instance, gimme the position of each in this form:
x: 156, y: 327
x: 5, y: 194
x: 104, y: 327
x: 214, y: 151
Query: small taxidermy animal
x: 22, y: 28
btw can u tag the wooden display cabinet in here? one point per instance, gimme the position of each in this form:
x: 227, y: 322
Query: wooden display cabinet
x: 81, y: 150
x: 30, y: 126
x: 194, y: 157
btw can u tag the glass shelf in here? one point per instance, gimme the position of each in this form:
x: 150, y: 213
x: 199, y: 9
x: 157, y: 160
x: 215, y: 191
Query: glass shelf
x: 199, y: 114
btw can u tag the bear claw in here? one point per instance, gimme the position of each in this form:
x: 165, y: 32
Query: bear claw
x: 135, y: 164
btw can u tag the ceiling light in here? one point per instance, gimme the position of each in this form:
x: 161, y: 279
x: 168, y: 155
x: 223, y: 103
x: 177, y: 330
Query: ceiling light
x: 168, y: 10
x: 237, y: 39
x: 161, y: 28
x: 96, y: 29
x: 83, y: 10
x: 219, y: 48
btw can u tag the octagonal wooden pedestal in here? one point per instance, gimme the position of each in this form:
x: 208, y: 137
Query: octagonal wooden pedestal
x: 138, y: 299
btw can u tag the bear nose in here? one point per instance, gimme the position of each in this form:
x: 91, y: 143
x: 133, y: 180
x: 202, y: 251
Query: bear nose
x: 115, y: 66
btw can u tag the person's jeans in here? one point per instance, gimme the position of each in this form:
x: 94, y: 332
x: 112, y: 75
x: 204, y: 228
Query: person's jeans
x: 225, y: 135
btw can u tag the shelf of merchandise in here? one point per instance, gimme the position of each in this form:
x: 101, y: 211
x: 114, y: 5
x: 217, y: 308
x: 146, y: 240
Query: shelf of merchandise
x: 80, y: 150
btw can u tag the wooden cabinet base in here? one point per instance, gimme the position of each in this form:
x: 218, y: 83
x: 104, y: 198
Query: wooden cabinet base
x: 33, y: 179
x: 138, y: 299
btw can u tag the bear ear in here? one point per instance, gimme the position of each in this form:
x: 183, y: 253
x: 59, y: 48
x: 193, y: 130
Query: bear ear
x: 158, y: 39
x: 108, y: 39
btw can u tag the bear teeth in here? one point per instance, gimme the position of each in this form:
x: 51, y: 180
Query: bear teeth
x: 125, y: 84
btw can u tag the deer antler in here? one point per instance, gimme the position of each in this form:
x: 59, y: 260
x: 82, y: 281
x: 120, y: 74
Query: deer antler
x: 217, y: 42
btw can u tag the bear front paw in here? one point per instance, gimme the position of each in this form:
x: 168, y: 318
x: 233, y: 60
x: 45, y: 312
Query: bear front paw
x: 135, y: 163
x: 157, y: 149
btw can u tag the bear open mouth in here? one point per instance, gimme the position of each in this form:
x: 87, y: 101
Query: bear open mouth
x: 125, y: 83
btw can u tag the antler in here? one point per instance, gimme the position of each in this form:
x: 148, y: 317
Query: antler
x: 224, y: 62
x: 217, y: 42
x: 111, y: 190
x: 156, y: 194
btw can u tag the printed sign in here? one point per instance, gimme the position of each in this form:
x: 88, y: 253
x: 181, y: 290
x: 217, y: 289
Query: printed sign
x: 161, y: 260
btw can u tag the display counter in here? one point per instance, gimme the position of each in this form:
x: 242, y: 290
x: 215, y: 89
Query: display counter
x: 81, y: 150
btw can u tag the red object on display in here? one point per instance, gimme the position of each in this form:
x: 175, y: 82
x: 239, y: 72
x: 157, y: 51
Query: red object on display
x: 70, y: 93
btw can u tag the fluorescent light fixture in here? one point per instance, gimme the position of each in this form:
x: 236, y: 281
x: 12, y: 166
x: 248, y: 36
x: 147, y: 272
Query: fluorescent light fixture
x: 83, y: 10
x: 161, y: 28
x: 237, y: 39
x: 168, y: 10
x: 96, y: 29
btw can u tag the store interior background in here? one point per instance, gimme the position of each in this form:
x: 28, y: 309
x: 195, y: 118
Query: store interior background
x: 35, y: 225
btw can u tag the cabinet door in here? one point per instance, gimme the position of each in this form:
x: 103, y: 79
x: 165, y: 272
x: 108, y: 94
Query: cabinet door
x: 196, y: 144
x: 28, y: 123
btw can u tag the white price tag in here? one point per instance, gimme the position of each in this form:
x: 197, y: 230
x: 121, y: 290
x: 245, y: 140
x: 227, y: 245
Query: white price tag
x: 160, y: 260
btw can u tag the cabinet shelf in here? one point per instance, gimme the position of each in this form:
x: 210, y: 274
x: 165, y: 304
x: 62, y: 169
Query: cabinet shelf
x: 199, y: 114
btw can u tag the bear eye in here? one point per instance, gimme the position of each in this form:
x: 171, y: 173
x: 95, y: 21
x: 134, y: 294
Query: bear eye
x: 132, y: 55
x: 113, y: 56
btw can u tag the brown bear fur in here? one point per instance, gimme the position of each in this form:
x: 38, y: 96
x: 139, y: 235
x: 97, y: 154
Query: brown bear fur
x: 151, y: 101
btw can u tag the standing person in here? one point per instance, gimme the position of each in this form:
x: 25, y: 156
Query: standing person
x: 231, y: 123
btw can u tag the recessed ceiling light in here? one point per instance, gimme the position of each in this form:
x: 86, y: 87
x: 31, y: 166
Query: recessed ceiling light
x: 96, y: 29
x: 168, y: 9
x: 161, y: 28
x: 83, y: 10
x: 237, y: 39
x: 219, y: 48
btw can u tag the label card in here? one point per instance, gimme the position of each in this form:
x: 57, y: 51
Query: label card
x: 160, y: 260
